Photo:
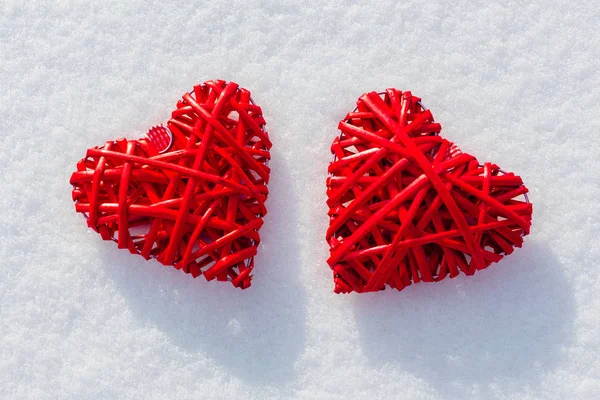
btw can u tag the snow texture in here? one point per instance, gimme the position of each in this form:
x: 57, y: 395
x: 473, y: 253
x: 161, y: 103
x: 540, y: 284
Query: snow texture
x: 514, y: 82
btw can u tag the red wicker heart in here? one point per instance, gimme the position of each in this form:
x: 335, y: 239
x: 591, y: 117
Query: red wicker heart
x: 406, y: 205
x: 199, y: 204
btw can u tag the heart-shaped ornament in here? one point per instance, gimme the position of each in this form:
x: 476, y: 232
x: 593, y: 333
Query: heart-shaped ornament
x: 191, y: 194
x: 406, y: 205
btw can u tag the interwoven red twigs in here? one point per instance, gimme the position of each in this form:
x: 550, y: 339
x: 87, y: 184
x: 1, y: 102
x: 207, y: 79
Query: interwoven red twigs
x: 198, y: 206
x: 406, y: 205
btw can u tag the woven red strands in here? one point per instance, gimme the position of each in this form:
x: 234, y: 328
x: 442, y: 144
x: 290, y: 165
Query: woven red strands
x: 199, y: 205
x: 406, y: 205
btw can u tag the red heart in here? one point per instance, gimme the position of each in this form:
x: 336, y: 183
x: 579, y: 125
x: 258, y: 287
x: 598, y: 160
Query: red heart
x: 407, y: 205
x: 199, y: 204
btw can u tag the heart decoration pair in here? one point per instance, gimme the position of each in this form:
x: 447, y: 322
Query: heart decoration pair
x: 405, y: 204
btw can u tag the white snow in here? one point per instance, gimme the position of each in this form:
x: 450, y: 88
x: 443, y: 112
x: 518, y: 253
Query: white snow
x: 514, y: 82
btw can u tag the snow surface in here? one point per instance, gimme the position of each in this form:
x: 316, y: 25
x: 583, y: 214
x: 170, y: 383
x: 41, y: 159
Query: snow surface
x: 515, y: 82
